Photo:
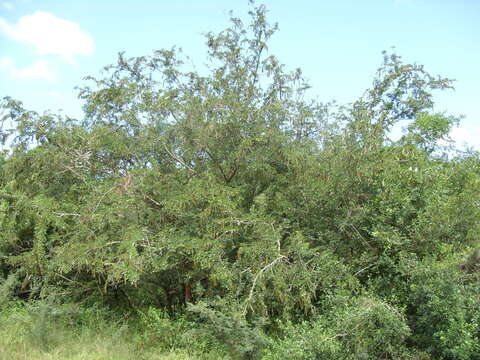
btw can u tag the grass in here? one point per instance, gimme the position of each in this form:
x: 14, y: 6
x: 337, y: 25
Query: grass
x: 19, y: 342
x: 37, y: 333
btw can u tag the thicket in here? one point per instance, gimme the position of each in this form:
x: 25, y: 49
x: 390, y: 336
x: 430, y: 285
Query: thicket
x: 226, y: 213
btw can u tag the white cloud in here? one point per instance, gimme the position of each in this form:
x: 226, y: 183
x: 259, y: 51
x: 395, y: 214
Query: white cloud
x: 49, y: 34
x: 55, y: 94
x: 37, y: 70
x: 466, y: 136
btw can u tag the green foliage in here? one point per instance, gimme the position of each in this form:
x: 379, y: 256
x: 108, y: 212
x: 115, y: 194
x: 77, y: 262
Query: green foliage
x: 365, y: 329
x: 428, y: 129
x: 161, y: 330
x: 308, y: 340
x: 179, y: 188
x: 443, y: 311
x: 7, y: 289
x: 240, y: 339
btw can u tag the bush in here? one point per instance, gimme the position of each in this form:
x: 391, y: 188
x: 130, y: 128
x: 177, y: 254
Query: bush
x: 364, y: 328
x: 442, y: 311
x: 240, y: 339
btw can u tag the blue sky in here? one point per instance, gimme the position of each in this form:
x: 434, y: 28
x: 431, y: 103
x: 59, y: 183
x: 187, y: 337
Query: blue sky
x: 48, y: 46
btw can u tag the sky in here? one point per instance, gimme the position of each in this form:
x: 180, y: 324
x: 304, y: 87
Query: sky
x: 47, y: 47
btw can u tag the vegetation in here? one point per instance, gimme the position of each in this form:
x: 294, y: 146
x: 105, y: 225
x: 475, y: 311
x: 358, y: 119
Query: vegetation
x: 226, y: 214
